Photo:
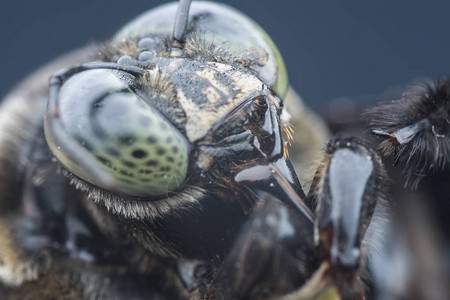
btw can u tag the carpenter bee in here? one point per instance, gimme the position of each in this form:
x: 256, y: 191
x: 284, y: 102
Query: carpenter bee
x: 156, y: 166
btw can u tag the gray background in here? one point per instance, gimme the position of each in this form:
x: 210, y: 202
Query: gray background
x: 333, y: 49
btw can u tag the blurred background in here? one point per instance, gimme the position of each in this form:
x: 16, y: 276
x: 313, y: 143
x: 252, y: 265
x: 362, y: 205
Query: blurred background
x: 333, y: 49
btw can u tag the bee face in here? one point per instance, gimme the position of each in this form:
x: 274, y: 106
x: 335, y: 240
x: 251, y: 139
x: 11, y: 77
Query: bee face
x: 145, y: 139
x: 148, y: 117
x: 155, y: 134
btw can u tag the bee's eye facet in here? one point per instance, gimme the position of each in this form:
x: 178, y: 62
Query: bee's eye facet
x: 142, y: 151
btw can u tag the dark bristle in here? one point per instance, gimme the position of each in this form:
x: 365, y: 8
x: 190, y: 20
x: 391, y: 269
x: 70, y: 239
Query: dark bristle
x: 199, y: 48
x: 427, y: 148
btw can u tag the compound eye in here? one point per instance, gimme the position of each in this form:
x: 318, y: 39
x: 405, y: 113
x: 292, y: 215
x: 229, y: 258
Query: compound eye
x: 117, y: 134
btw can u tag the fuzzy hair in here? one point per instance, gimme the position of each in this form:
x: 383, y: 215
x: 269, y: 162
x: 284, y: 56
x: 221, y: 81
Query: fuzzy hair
x: 426, y: 104
x: 130, y: 208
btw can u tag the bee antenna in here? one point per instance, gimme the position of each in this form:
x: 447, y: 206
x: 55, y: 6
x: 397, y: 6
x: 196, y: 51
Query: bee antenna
x: 181, y: 20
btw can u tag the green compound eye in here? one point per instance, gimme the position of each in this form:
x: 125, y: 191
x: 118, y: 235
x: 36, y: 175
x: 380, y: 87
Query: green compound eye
x: 144, y: 154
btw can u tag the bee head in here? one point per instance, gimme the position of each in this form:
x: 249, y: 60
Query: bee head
x: 148, y: 124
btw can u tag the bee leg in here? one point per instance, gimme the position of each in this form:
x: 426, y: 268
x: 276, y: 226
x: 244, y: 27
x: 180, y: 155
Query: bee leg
x: 272, y: 255
x: 346, y: 190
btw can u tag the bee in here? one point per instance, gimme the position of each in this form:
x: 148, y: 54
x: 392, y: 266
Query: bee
x: 156, y: 166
